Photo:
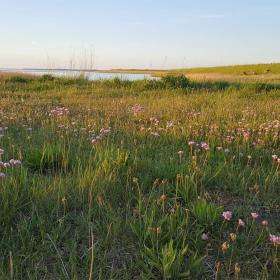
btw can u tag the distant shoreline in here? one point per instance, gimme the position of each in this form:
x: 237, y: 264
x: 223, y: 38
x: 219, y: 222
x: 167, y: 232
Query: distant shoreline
x: 128, y: 71
x: 249, y: 69
x: 247, y: 72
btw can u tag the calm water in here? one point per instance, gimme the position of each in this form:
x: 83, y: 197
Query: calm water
x: 89, y: 75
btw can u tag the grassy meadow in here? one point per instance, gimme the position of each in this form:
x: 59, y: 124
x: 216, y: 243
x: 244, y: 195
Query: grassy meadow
x: 250, y: 69
x: 236, y: 73
x: 153, y: 179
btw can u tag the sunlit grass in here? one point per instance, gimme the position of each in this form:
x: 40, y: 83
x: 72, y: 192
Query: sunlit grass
x: 250, y: 69
x: 129, y: 180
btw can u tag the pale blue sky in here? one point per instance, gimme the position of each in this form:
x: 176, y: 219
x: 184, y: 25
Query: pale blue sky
x: 138, y: 33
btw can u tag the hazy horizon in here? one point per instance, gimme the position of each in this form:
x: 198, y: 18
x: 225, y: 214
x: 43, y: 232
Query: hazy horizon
x: 152, y: 69
x: 139, y: 35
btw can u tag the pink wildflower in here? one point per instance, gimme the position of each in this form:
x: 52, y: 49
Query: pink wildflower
x: 254, y: 215
x: 15, y: 162
x: 274, y: 239
x: 204, y: 146
x: 58, y: 112
x: 227, y: 215
x: 137, y: 108
x: 191, y: 143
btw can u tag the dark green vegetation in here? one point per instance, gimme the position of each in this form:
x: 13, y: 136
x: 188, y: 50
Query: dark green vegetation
x: 111, y: 188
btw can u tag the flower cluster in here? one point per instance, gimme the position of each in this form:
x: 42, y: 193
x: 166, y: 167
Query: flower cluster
x: 203, y: 145
x: 5, y: 165
x: 103, y: 132
x: 59, y: 112
x: 137, y: 108
x: 227, y: 215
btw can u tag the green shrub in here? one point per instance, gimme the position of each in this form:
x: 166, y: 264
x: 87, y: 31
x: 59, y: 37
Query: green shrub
x: 175, y: 82
x: 20, y: 79
x: 47, y: 77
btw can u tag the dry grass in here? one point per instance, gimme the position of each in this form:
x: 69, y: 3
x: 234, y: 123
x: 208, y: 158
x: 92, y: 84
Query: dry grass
x: 233, y: 78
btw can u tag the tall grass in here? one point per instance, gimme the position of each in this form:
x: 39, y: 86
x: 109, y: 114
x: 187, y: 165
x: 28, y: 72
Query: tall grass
x: 129, y: 180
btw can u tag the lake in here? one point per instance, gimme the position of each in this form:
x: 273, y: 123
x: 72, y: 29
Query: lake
x: 90, y: 75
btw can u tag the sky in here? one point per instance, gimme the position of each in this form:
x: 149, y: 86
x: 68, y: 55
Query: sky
x: 150, y: 34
